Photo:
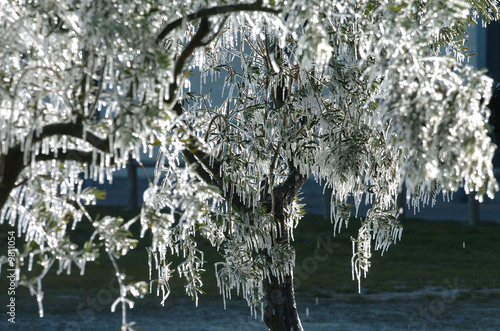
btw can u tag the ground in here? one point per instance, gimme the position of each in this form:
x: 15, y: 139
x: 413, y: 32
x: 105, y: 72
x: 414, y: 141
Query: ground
x: 451, y: 307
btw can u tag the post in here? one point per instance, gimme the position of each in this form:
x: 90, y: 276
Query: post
x: 401, y: 203
x: 132, y: 184
x: 473, y: 209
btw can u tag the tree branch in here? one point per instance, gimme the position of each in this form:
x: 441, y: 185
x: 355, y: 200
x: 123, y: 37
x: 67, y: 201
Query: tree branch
x: 208, y: 12
x: 210, y: 174
x: 73, y: 130
x: 72, y: 155
x: 288, y: 190
x: 12, y: 163
x: 196, y: 41
x: 200, y: 161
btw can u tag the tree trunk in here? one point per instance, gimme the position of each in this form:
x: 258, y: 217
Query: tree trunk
x: 281, y: 313
x: 281, y: 310
x: 11, y: 166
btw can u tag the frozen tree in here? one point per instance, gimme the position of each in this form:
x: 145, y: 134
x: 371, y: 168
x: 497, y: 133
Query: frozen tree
x: 362, y: 95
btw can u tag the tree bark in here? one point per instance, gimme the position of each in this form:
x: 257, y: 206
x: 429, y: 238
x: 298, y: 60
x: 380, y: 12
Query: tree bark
x: 11, y: 166
x: 281, y: 313
x: 281, y: 309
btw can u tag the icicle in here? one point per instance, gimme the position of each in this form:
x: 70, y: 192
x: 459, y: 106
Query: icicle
x: 39, y: 296
x: 30, y: 263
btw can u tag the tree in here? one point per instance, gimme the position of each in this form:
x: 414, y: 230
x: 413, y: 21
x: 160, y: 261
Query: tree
x: 354, y: 93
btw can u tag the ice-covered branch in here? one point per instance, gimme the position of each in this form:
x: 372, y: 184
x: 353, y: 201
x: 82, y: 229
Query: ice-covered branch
x: 13, y: 165
x: 13, y: 162
x: 208, y: 171
x: 73, y: 130
x: 220, y: 10
x: 195, y: 42
x: 87, y: 157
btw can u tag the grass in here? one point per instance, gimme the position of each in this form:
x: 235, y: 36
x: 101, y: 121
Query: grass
x: 430, y: 254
